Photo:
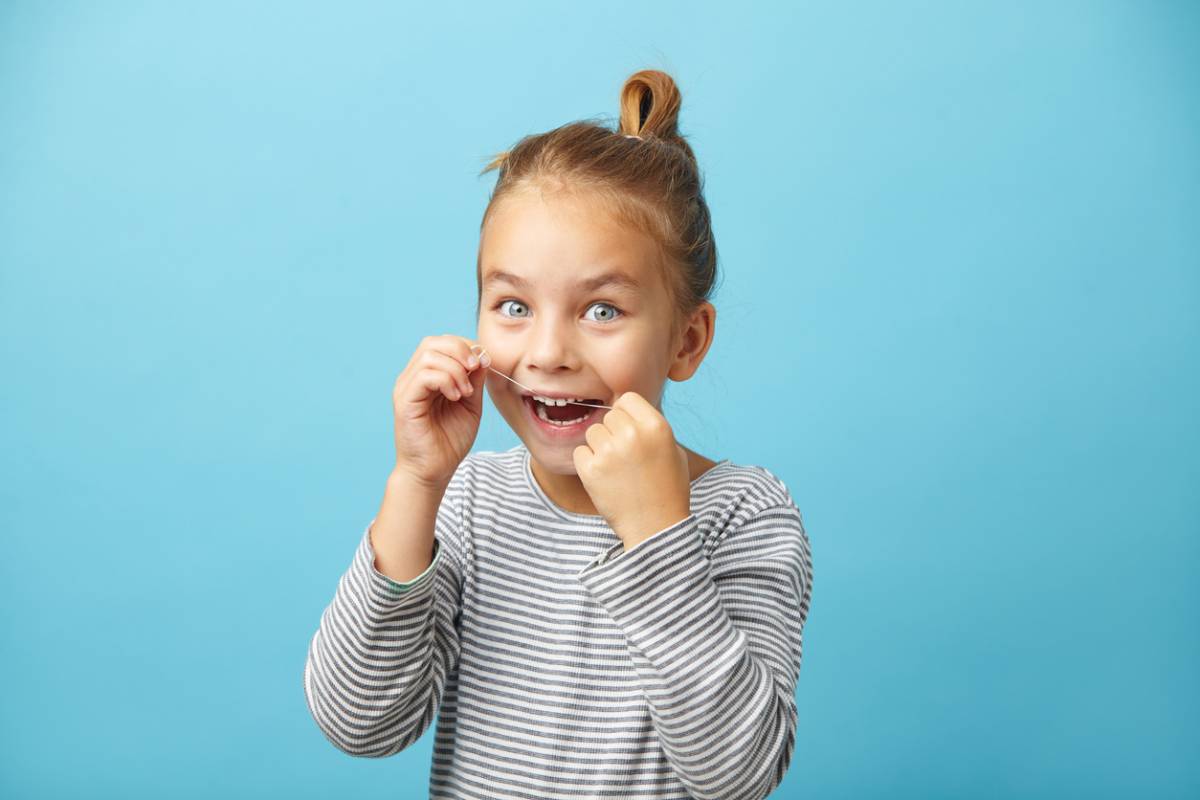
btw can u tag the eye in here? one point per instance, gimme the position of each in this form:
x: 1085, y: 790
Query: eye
x: 502, y: 302
x: 608, y: 316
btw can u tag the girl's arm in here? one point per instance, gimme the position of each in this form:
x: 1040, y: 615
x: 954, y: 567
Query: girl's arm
x: 374, y: 675
x: 402, y: 533
x: 717, y: 643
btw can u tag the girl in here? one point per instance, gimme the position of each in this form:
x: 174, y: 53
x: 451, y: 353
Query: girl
x: 598, y: 611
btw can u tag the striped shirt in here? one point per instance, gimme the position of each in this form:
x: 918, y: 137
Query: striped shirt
x: 560, y: 665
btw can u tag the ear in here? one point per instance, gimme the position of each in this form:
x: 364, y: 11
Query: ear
x: 693, y: 342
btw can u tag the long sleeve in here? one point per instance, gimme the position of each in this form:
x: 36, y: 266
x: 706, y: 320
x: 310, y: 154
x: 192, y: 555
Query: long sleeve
x: 716, y: 643
x: 378, y: 662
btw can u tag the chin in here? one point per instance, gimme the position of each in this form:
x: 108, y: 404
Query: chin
x: 557, y: 460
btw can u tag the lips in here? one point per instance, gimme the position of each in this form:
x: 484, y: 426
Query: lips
x: 558, y: 432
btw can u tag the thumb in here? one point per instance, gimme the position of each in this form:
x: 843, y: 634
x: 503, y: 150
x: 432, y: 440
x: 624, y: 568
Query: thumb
x: 477, y: 378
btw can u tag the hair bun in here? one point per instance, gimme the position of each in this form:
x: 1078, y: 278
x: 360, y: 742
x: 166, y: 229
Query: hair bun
x: 650, y: 103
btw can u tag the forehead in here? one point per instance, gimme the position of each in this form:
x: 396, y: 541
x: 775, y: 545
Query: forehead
x: 560, y: 241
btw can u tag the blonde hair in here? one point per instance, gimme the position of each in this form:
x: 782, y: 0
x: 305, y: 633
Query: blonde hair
x: 643, y: 173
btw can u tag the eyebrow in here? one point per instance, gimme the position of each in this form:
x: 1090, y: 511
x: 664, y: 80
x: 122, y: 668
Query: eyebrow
x: 617, y: 279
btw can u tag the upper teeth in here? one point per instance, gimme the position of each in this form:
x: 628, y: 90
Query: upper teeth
x: 554, y: 401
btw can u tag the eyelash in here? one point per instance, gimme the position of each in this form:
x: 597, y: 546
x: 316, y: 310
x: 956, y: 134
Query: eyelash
x: 620, y: 312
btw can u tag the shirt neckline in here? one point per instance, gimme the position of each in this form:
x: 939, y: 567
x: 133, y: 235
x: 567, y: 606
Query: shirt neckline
x: 594, y: 519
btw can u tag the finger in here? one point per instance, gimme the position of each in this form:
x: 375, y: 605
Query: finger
x: 484, y: 358
x: 439, y: 360
x: 598, y: 437
x: 637, y: 407
x: 469, y: 352
x: 478, y: 377
x: 436, y: 380
x: 582, y: 456
x: 460, y: 348
x: 619, y: 421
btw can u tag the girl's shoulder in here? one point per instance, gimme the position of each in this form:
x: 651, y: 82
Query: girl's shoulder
x: 746, y: 486
x: 493, y: 466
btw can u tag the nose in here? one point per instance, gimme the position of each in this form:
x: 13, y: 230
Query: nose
x: 550, y: 347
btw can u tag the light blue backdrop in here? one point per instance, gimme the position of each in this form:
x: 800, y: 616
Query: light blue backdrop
x: 958, y: 317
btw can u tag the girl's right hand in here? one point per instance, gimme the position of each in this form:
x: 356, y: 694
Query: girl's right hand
x: 437, y: 403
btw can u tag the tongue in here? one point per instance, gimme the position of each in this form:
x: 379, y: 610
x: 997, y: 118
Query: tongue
x: 568, y: 412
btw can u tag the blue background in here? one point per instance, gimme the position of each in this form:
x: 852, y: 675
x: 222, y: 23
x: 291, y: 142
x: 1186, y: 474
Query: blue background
x: 958, y: 317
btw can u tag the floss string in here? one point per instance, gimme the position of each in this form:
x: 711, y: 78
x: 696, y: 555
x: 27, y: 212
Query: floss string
x: 482, y: 350
x: 523, y: 386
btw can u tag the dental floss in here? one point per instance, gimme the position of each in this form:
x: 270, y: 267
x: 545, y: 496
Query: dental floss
x: 482, y: 349
x: 523, y: 386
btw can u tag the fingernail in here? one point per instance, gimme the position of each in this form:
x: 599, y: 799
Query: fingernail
x: 472, y: 361
x: 485, y: 359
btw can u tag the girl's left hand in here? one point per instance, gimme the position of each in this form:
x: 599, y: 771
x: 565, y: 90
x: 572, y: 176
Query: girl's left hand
x: 634, y: 470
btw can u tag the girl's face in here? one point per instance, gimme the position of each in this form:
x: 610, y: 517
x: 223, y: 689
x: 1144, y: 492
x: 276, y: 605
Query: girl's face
x: 572, y: 304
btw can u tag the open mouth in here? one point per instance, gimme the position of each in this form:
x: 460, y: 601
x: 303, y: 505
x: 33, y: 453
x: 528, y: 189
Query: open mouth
x: 566, y: 418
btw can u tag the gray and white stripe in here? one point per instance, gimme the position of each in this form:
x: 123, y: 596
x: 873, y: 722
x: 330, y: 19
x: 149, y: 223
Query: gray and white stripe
x: 560, y: 666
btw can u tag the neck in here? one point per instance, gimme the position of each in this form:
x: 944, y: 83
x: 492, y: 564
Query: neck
x: 566, y: 491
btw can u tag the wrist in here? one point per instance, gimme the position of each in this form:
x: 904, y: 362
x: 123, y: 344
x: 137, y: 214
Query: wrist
x: 640, y: 531
x: 404, y: 480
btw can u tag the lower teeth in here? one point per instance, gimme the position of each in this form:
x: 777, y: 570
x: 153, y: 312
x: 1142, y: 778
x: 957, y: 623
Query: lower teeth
x: 541, y: 412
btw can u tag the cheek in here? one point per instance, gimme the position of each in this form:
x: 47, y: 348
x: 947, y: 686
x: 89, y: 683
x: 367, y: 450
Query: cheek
x: 627, y: 373
x: 503, y: 349
x: 506, y: 398
x: 635, y: 370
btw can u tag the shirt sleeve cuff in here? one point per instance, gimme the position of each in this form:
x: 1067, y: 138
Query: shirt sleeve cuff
x: 616, y: 565
x: 400, y: 587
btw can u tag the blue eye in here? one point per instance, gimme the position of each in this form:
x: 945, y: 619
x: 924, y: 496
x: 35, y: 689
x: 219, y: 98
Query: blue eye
x: 613, y: 314
x: 502, y: 302
x: 606, y: 316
